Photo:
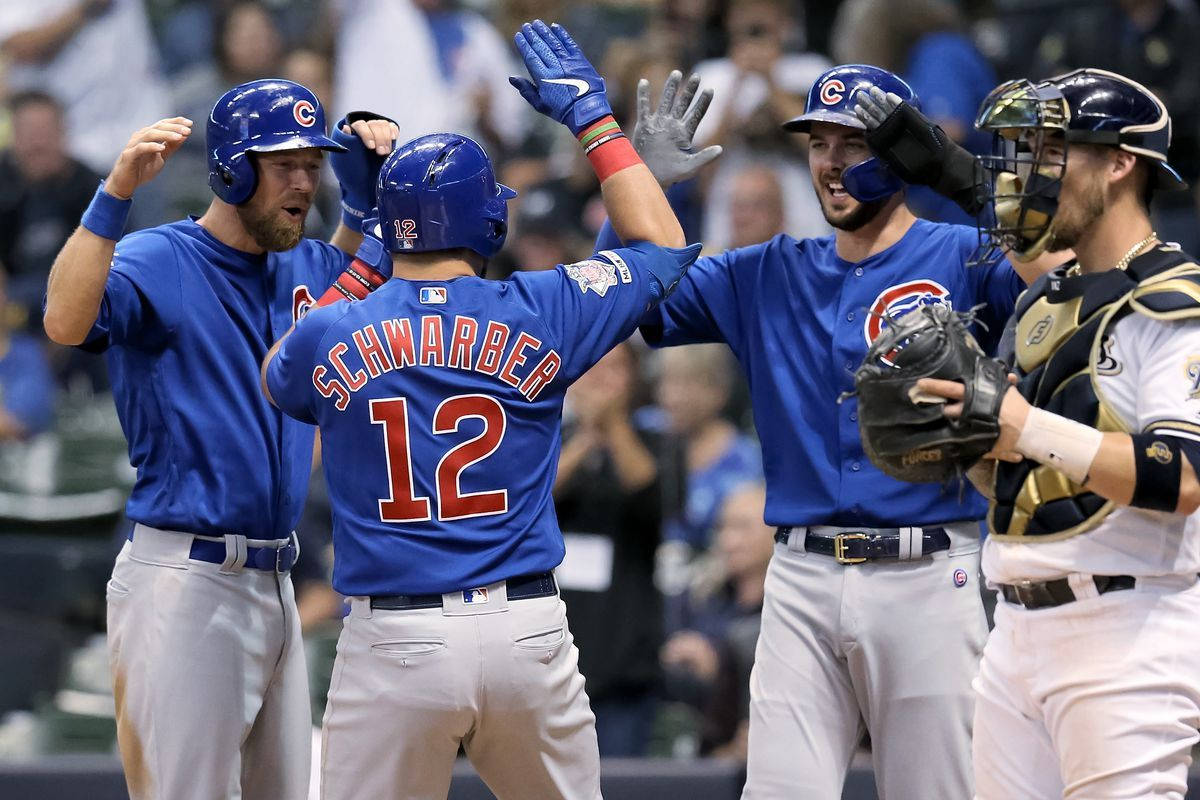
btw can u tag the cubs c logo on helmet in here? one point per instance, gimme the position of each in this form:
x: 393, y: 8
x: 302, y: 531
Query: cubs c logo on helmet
x: 896, y: 301
x: 832, y: 92
x: 305, y: 113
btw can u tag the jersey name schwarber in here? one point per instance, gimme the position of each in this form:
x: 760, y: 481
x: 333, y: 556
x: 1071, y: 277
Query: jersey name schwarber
x: 518, y: 358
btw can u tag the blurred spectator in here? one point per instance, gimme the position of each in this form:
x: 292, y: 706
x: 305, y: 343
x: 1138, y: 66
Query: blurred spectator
x: 247, y: 45
x: 26, y: 386
x: 607, y: 499
x: 925, y: 42
x: 43, y: 193
x: 755, y: 206
x: 1152, y: 42
x: 97, y: 57
x: 759, y: 86
x: 708, y: 661
x: 431, y: 68
x: 694, y: 389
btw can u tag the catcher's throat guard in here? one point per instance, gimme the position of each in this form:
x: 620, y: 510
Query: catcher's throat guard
x: 904, y: 432
x: 1025, y: 176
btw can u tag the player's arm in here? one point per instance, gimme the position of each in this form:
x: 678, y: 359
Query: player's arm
x: 80, y: 270
x: 567, y: 88
x: 368, y: 139
x: 1153, y: 469
x: 43, y: 41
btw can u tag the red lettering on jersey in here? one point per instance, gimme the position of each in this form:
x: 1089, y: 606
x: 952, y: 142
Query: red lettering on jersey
x: 371, y: 349
x: 355, y: 381
x: 329, y: 388
x: 495, y: 339
x: 461, y: 344
x: 400, y: 342
x: 541, y: 376
x: 432, y: 350
x: 517, y: 358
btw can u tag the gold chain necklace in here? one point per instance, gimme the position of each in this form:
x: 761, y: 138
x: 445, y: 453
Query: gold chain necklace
x: 1074, y: 269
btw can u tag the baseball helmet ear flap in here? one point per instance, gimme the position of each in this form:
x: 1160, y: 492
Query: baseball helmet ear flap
x: 870, y: 180
x: 234, y: 179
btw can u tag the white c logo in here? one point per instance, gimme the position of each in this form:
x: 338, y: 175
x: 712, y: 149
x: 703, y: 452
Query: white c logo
x: 305, y: 113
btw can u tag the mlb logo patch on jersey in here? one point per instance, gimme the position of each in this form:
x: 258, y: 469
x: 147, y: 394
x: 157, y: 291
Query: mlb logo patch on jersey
x: 475, y: 597
x: 593, y: 274
x: 433, y: 295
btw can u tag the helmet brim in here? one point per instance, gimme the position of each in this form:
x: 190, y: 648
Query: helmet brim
x: 298, y: 143
x: 803, y: 124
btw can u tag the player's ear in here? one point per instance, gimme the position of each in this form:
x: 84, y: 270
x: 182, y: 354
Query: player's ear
x: 1121, y: 166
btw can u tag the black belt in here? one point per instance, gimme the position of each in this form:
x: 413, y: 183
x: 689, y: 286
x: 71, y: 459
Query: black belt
x: 1047, y: 594
x: 855, y: 547
x: 523, y: 587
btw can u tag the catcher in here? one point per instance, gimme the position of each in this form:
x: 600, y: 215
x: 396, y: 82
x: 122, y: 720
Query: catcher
x: 1089, y: 682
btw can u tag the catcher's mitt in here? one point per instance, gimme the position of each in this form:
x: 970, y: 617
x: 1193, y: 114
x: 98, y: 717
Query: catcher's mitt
x: 904, y: 433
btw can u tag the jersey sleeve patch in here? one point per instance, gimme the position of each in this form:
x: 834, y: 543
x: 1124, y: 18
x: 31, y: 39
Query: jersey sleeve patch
x: 596, y: 274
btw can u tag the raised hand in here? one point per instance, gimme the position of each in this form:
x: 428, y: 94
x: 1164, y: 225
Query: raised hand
x: 145, y: 154
x: 663, y: 137
x: 565, y: 86
x: 874, y: 106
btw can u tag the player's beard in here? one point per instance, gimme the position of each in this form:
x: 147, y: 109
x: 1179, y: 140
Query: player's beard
x: 856, y: 218
x: 1075, y: 214
x: 270, y: 229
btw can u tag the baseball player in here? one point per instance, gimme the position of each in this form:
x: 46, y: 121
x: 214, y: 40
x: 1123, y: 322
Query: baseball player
x: 439, y: 400
x: 872, y: 615
x: 1090, y: 683
x: 204, y: 640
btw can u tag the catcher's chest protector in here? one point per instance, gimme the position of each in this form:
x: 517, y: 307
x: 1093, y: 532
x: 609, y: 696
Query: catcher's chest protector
x: 1061, y: 327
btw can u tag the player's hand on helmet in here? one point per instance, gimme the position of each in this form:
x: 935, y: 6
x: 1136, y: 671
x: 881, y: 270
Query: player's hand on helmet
x: 368, y: 139
x: 918, y: 150
x: 663, y: 136
x: 565, y: 86
x: 145, y: 154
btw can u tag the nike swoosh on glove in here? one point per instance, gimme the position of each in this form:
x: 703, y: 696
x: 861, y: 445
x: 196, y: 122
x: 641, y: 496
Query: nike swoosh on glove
x: 565, y: 86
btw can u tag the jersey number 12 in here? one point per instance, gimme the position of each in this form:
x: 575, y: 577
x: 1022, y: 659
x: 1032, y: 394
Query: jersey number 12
x: 402, y: 505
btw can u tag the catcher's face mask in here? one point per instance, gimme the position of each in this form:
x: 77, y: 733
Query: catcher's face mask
x: 1029, y: 156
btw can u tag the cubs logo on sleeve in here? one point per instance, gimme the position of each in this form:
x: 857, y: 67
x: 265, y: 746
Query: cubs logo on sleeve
x: 594, y: 274
x: 896, y: 301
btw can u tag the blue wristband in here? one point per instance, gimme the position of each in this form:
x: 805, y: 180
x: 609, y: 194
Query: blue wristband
x: 106, y: 215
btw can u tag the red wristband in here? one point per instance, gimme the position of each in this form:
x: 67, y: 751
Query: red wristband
x: 607, y: 147
x: 358, y: 281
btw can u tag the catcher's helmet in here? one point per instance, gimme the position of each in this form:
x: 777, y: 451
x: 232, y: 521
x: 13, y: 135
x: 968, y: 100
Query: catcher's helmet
x: 260, y: 116
x: 1091, y: 106
x: 439, y: 192
x: 831, y: 99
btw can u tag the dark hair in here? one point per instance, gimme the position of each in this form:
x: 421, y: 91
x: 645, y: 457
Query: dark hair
x: 33, y: 97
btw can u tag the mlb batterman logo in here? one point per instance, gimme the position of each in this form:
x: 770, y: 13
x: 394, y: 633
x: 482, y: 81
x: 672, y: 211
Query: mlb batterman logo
x: 305, y: 113
x: 896, y: 301
x: 433, y: 295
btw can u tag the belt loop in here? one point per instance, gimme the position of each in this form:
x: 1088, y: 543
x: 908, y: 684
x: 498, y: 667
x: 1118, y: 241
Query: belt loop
x: 796, y: 539
x: 906, y: 544
x: 360, y: 607
x: 1082, y: 586
x: 235, y: 554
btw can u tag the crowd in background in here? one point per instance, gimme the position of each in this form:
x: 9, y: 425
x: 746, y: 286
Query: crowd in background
x: 659, y: 491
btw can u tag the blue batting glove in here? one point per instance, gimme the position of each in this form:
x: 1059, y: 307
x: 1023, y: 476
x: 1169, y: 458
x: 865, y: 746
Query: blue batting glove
x: 565, y: 86
x: 356, y: 169
x: 372, y: 252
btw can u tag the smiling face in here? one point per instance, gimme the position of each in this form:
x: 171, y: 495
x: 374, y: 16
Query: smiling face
x: 287, y: 181
x: 832, y: 149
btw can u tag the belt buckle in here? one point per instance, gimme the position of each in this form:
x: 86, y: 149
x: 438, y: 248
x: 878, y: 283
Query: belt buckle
x: 839, y: 548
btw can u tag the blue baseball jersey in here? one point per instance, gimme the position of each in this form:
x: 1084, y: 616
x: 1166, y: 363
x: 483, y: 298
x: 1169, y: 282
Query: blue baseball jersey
x: 799, y: 319
x: 440, y: 404
x: 185, y: 323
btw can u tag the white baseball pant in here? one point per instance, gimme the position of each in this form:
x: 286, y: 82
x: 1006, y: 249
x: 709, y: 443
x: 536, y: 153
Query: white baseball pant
x: 1095, y: 699
x: 888, y: 645
x: 500, y: 679
x: 208, y: 676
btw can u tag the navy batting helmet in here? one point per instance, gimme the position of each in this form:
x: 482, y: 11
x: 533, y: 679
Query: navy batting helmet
x: 439, y: 192
x: 831, y: 99
x: 262, y: 117
x: 1089, y: 106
